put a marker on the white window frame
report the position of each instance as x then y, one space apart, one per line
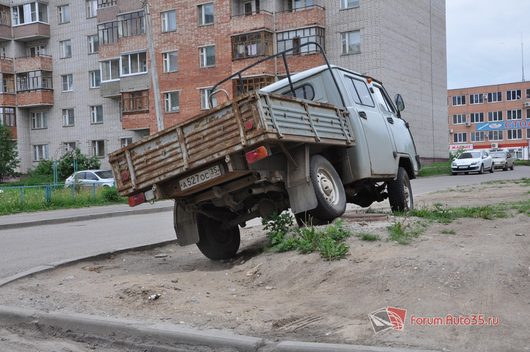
33 12
460 137
167 60
459 119
513 94
169 101
349 4
346 42
459 100
96 114
94 79
63 14
204 93
96 146
494 97
93 43
66 48
91 8
202 14
41 152
495 135
128 59
103 65
203 56
517 132
517 112
476 117
480 134
125 141
494 116
166 23
475 99
67 82
39 120
68 117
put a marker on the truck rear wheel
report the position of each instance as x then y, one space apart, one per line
215 241
329 190
400 192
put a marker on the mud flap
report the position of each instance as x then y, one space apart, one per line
302 195
185 224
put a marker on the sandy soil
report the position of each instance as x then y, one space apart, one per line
484 268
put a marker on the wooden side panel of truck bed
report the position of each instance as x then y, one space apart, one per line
238 125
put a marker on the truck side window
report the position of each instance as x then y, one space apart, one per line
362 94
305 91
381 99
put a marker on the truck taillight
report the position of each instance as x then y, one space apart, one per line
137 199
257 154
249 125
125 176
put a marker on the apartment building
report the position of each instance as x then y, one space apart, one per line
80 74
491 117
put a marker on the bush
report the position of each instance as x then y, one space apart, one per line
45 167
110 194
66 163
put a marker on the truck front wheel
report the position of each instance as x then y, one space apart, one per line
215 241
400 192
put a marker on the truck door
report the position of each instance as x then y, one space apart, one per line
378 139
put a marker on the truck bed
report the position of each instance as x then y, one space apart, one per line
248 121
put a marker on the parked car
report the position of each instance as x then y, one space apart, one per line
88 178
473 161
503 160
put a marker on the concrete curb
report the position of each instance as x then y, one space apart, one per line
51 266
62 220
165 337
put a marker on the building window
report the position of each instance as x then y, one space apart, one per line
63 13
91 8
460 138
98 148
294 5
351 42
106 3
348 4
495 116
207 56
133 64
36 50
514 114
93 44
293 39
476 98
170 61
40 152
495 135
137 101
96 114
68 117
459 100
131 24
251 45
528 93
7 83
8 117
67 82
494 97
169 21
478 136
30 13
459 119
513 94
250 84
110 70
94 78
125 141
69 146
108 32
205 14
515 134
66 48
39 120
172 101
34 80
205 103
477 117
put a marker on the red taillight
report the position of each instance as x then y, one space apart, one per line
137 199
249 125
257 154
125 176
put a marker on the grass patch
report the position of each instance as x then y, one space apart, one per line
436 168
448 232
403 233
284 237
370 237
522 162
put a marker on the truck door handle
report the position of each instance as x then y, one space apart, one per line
362 114
390 120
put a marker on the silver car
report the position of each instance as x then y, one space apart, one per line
89 178
503 160
472 161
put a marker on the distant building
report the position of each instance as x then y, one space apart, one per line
491 117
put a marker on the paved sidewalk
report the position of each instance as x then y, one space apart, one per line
80 214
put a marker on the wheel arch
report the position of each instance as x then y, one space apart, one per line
406 163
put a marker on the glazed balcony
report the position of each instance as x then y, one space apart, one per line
31 31
34 63
107 10
252 21
314 15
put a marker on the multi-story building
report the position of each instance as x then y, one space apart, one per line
491 117
81 73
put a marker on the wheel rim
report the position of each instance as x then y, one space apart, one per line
327 186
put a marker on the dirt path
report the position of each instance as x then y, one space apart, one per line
471 266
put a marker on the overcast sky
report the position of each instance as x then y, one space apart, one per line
484 41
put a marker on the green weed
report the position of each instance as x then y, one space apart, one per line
448 232
370 237
404 233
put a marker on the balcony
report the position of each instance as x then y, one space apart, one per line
6 65
31 31
252 21
110 89
107 10
33 98
34 63
302 17
8 99
5 32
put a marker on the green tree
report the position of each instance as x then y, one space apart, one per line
65 166
8 153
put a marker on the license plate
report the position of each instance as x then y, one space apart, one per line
200 177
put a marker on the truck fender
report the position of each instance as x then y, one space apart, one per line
302 195
185 224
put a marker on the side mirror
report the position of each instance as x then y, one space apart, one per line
400 104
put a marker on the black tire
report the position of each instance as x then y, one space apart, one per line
512 167
492 169
505 168
453 173
216 242
400 192
481 171
329 190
